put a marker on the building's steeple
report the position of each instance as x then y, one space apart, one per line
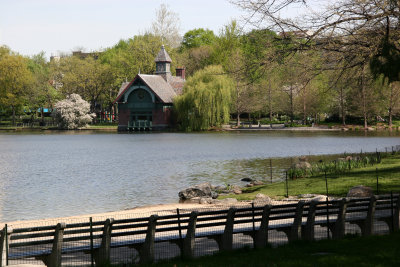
163 63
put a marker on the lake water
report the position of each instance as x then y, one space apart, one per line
70 173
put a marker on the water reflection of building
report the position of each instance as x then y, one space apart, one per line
146 101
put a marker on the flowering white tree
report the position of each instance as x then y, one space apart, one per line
73 112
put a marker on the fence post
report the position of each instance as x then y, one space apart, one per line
6 240
377 182
391 209
4 243
91 242
327 207
287 186
179 229
252 212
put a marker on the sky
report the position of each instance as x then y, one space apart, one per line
31 26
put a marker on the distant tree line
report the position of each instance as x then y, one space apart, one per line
341 65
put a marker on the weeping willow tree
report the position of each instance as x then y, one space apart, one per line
206 100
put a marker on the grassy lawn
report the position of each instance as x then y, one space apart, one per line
338 185
103 126
351 251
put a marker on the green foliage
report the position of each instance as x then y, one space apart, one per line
338 166
88 77
42 93
197 38
15 81
386 61
205 101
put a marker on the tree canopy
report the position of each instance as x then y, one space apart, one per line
206 100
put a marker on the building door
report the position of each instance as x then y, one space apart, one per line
141 106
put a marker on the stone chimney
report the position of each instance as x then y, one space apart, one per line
180 72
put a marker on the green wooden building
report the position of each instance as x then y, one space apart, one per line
146 102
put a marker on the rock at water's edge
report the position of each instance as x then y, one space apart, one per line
200 190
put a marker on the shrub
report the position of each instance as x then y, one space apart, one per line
72 112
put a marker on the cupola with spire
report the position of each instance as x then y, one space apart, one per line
163 63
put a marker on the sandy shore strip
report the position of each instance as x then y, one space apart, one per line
133 212
137 212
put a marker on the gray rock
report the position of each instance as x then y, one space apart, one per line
190 200
200 190
302 165
237 191
262 198
319 198
214 195
360 191
256 182
205 200
234 187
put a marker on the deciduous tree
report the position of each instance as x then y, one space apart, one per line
73 112
15 81
206 100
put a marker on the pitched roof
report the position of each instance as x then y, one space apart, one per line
159 86
156 83
122 88
163 56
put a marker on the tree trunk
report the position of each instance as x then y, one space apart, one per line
364 99
391 106
291 105
270 101
238 119
304 106
42 115
342 111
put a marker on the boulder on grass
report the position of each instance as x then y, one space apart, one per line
360 191
304 165
200 190
262 198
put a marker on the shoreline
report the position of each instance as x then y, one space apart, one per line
228 128
136 212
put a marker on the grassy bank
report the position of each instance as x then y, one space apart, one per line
38 128
388 173
351 251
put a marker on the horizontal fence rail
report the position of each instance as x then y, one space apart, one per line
190 233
